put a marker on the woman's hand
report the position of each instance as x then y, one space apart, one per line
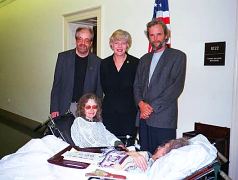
139 159
123 147
54 114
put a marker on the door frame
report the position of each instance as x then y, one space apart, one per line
76 17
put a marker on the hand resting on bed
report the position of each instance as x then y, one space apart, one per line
177 159
142 163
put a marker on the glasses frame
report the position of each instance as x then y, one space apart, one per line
87 107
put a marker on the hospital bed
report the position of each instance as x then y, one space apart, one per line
220 137
32 161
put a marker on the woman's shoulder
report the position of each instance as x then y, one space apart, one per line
107 62
80 120
132 58
107 59
99 123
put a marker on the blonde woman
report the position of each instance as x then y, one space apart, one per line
117 75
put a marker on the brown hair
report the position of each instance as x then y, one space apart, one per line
81 104
154 22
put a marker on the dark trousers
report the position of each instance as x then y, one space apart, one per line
152 137
121 125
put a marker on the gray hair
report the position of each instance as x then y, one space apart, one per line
84 28
176 143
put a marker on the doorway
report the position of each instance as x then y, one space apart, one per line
90 18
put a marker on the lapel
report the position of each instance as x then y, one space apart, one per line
159 66
147 62
71 69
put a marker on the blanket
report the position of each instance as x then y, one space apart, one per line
30 162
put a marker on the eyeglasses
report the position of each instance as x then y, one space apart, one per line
85 41
91 107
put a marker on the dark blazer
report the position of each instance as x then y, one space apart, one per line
166 85
118 86
62 89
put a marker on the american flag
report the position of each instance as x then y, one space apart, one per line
161 11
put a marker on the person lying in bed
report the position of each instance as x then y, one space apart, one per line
142 162
139 161
176 159
87 129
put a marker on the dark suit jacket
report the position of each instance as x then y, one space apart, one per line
166 85
62 89
118 86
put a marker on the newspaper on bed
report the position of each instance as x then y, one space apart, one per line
81 156
109 158
120 160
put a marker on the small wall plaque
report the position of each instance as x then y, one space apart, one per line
214 54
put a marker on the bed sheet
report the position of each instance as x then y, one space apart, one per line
30 162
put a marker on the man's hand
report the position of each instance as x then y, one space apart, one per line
54 114
145 110
139 159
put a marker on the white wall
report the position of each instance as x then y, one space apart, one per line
234 123
31 35
207 96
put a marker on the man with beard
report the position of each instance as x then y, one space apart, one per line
158 83
77 72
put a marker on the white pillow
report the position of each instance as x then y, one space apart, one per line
182 162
